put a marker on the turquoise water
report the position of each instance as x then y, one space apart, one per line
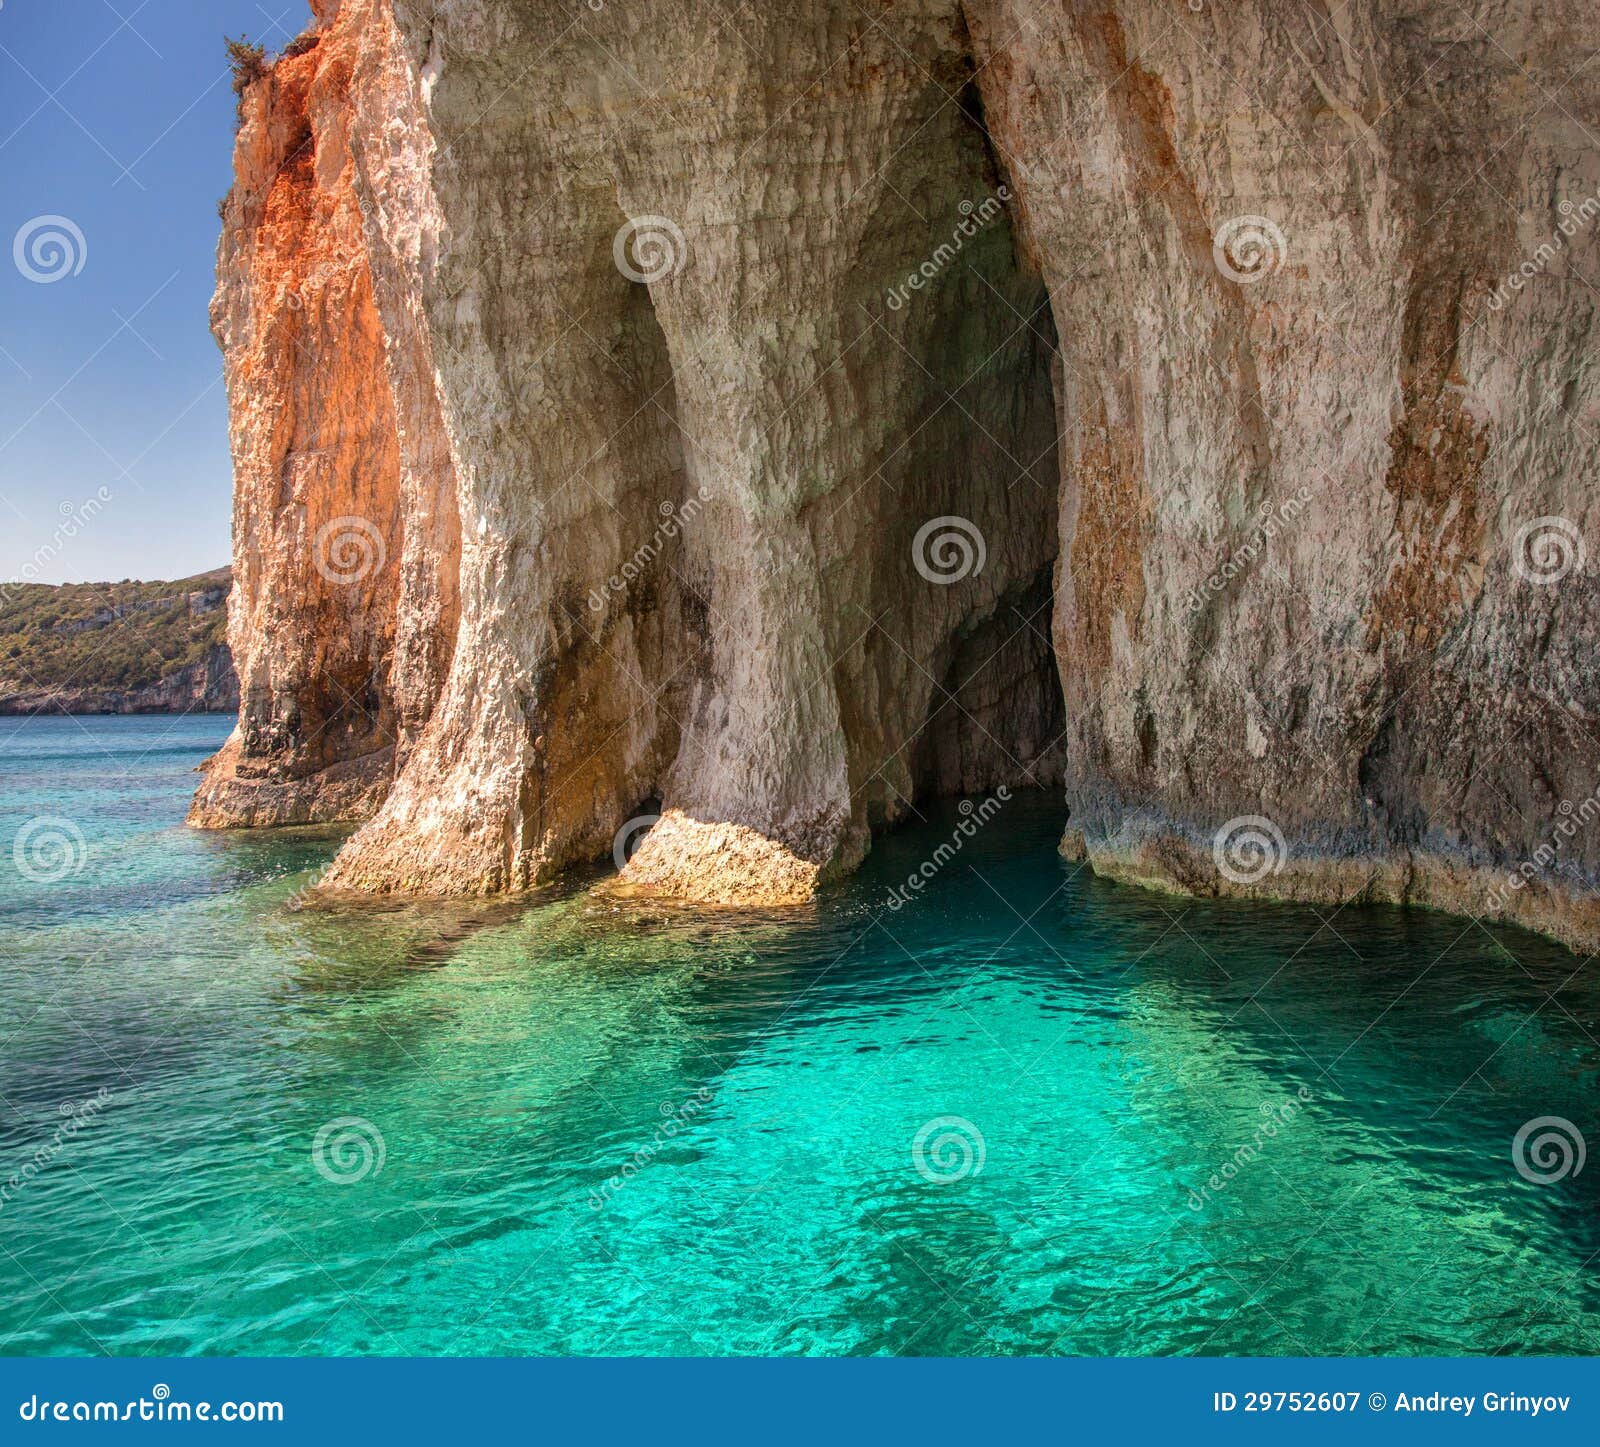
579 1126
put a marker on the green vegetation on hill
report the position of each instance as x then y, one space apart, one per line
108 635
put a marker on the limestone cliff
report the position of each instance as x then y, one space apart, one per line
345 536
764 416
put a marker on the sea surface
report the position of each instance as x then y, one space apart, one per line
1026 1112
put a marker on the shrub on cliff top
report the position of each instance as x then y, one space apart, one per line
249 61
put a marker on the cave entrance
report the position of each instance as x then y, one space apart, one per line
998 715
992 457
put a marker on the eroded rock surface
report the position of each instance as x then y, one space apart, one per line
1301 571
771 415
331 528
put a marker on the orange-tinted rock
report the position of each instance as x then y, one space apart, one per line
324 526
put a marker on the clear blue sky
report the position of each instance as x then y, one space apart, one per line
117 115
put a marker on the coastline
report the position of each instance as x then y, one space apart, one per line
1167 857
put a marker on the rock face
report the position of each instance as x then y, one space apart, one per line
762 418
345 536
205 686
1323 618
116 648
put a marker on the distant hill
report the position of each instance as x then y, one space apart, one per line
117 647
